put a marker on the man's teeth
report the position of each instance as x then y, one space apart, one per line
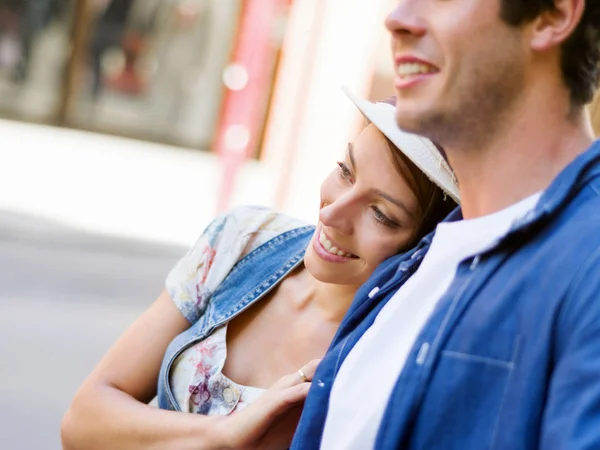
408 69
326 243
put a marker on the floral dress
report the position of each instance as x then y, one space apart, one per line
200 386
196 377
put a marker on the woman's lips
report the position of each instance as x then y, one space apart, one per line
328 251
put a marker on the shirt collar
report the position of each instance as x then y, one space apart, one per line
565 186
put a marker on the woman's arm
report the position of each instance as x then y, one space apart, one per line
110 410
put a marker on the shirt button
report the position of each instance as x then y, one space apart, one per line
422 355
228 395
374 291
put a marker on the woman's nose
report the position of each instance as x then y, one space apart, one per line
340 214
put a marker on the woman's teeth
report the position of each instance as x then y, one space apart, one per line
326 243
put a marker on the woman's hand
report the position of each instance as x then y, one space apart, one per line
269 423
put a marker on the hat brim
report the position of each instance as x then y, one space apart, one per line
420 150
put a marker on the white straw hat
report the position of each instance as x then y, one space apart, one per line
420 150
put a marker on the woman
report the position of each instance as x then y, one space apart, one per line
209 328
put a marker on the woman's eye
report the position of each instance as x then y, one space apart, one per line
383 219
343 170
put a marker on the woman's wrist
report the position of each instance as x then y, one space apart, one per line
215 433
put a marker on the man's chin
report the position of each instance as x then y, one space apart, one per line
409 120
422 121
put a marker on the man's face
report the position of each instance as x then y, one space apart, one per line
459 67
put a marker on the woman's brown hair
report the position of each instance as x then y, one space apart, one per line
434 204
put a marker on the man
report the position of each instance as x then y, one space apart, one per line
487 335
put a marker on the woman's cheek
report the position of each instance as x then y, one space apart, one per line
389 247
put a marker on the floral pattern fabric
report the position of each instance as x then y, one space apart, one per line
196 378
200 386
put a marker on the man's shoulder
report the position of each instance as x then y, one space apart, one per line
563 253
577 226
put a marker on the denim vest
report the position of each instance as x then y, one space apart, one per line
250 279
510 358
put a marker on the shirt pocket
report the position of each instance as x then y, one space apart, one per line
464 396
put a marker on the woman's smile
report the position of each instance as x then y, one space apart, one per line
329 250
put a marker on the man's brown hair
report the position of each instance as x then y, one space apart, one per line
580 53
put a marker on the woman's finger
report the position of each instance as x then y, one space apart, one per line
310 368
302 375
253 422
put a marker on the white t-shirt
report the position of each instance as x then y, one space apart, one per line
367 376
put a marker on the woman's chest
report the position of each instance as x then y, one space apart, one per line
272 340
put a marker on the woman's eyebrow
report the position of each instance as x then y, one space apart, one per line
379 192
396 202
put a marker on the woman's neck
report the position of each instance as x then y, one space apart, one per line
329 301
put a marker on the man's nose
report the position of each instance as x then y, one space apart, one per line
406 19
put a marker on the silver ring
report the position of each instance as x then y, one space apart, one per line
302 375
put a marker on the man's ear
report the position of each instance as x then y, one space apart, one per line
554 26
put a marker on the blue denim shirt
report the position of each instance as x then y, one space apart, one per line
250 279
510 358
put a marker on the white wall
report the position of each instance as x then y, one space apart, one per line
330 43
114 185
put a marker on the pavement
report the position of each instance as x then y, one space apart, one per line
66 296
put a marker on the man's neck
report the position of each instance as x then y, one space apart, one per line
536 143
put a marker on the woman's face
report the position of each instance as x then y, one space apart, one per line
367 214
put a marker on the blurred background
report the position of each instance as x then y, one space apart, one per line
125 126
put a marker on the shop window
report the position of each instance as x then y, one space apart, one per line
158 70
